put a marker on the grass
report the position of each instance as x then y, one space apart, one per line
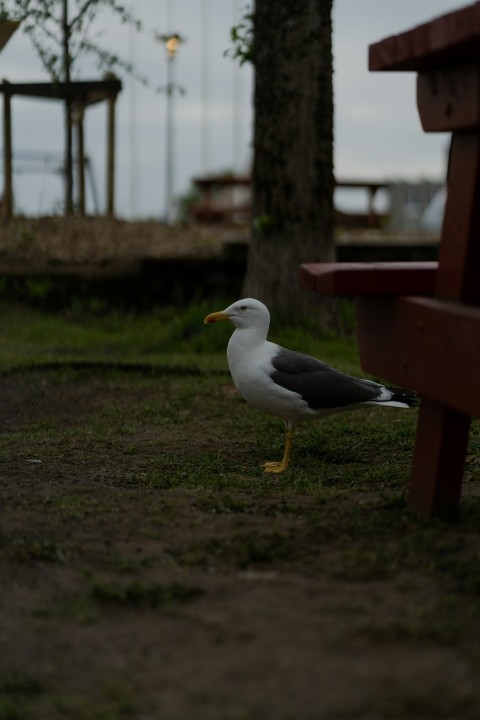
166 338
133 503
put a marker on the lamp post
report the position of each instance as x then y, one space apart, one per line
171 42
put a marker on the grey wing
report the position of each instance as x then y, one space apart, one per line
320 385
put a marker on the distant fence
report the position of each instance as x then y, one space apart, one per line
227 198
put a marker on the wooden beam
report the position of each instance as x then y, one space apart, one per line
431 44
7 28
86 91
79 116
448 99
429 345
111 156
389 278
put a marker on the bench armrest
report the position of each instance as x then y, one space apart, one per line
390 278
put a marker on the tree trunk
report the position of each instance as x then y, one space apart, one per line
292 220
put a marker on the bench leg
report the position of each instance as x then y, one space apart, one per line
438 461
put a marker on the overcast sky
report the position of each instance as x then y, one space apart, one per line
377 131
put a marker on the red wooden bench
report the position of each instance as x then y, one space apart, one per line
418 324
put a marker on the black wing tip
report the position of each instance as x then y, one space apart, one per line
409 397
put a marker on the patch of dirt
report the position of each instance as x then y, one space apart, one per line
57 243
115 601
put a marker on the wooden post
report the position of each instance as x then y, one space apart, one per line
7 28
79 115
7 157
111 156
438 460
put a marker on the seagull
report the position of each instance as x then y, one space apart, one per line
289 384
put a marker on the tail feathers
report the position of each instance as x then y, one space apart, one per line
406 397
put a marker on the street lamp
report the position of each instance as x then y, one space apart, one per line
171 41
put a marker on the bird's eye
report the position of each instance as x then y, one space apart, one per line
243 308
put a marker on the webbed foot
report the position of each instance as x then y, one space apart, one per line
275 466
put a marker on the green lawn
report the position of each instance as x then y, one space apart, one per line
151 569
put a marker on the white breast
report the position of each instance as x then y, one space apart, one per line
251 370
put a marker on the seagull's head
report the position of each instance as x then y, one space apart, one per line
244 313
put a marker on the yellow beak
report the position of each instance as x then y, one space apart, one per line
215 317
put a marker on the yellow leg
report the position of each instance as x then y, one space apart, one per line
279 467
